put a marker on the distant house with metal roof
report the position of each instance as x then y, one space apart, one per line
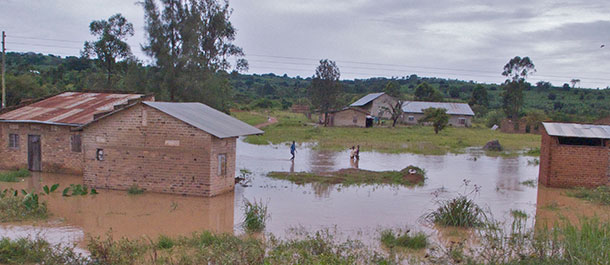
376 104
180 148
43 135
349 117
574 155
460 114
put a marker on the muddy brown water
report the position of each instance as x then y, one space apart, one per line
358 212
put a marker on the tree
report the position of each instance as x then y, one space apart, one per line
574 82
325 87
516 70
479 96
543 85
425 92
110 45
438 117
392 89
190 42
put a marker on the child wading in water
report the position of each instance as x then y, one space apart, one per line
293 149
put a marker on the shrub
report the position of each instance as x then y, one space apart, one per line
460 211
28 251
256 216
15 208
390 240
165 242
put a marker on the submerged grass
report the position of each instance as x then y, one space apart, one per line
390 239
38 251
18 208
600 195
403 139
349 177
255 216
530 183
460 211
14 176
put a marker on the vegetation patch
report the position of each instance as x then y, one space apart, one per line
390 239
255 216
530 183
460 211
14 176
20 206
135 190
250 117
600 195
410 176
402 139
38 251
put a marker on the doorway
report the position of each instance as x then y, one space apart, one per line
34 153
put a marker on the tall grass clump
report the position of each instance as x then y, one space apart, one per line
14 176
135 190
461 212
599 195
390 239
255 216
14 208
37 251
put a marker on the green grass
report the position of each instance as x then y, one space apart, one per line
348 177
255 216
19 208
600 195
250 117
14 176
460 212
38 251
518 214
411 139
390 239
135 190
530 183
552 206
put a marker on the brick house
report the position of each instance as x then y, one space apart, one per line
520 126
460 114
376 104
41 136
348 117
180 148
574 155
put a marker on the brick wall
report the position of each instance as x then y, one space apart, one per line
56 151
571 166
376 107
346 118
157 152
520 126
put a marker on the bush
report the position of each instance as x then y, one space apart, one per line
135 190
494 117
460 211
27 251
18 208
256 216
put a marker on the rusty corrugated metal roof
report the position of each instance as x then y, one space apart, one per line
68 108
577 130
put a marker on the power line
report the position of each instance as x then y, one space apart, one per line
46 45
34 38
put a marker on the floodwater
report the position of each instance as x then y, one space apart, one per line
357 212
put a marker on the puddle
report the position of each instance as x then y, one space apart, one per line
354 212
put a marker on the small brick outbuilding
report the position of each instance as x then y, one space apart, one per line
348 117
376 105
574 155
179 148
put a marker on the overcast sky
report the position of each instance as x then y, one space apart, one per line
468 40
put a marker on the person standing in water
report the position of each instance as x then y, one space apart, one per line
352 153
357 152
293 150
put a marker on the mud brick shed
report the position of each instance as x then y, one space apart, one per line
179 148
44 135
348 117
574 155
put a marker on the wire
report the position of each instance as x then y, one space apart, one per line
44 45
33 38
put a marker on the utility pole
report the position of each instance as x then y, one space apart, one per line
3 71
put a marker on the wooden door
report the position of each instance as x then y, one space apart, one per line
34 153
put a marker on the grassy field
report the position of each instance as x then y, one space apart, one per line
411 139
349 177
249 117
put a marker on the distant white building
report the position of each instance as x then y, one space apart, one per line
460 114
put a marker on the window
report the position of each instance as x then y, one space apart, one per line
99 155
580 141
222 164
75 143
355 120
411 118
13 141
462 121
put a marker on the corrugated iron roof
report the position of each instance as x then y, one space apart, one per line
452 108
366 99
68 108
577 130
206 118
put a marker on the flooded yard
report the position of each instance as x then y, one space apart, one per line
358 212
